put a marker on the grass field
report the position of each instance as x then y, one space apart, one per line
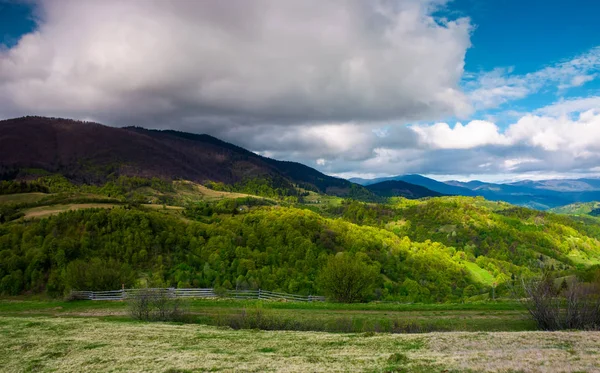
41 335
22 198
372 317
478 274
75 344
44 211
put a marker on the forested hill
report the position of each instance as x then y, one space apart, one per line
91 153
439 249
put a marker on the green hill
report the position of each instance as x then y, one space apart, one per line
577 208
436 249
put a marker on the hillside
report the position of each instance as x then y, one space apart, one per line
581 208
437 249
434 185
395 188
502 235
91 153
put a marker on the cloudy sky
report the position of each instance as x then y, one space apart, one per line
468 89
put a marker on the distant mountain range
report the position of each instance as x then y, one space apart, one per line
92 153
543 194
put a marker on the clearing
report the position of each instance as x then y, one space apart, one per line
22 198
44 211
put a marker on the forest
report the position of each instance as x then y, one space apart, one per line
442 249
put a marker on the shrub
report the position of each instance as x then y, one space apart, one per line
348 277
576 307
155 305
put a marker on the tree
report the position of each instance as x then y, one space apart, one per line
348 277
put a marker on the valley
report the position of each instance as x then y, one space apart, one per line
434 263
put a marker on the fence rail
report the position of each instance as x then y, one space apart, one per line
197 293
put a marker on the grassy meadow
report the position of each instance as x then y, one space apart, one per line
329 317
78 344
41 335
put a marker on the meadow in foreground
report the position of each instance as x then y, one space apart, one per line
43 344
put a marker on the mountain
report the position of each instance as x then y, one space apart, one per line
434 185
540 195
91 153
562 185
396 188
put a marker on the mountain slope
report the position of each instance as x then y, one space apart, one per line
396 188
90 152
434 185
562 185
529 193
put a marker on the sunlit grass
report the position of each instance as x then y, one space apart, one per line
88 344
479 274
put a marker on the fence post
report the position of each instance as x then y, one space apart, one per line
310 298
258 293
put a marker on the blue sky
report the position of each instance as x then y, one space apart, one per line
467 89
528 36
16 19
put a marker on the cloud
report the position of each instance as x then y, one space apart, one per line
213 63
567 107
475 133
545 143
330 84
491 89
578 80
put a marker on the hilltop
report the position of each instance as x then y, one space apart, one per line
92 153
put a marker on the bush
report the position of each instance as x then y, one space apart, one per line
575 307
348 277
155 305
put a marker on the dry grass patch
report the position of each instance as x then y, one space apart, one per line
76 345
44 211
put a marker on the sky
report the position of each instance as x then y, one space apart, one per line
494 90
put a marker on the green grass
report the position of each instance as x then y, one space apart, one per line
22 198
372 317
479 274
70 344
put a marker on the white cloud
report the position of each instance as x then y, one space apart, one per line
548 143
475 133
550 129
578 81
491 89
158 63
578 137
573 105
511 164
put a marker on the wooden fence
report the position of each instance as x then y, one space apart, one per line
196 293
